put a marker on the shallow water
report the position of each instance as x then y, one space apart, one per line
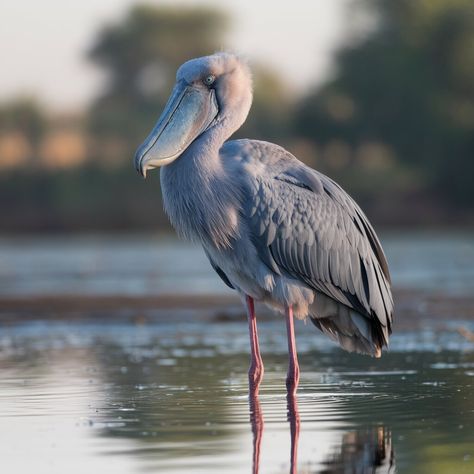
162 397
145 391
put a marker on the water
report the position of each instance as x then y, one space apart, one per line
141 265
168 393
125 398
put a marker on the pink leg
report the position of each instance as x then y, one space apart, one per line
293 376
256 365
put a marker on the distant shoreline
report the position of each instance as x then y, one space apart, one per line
412 308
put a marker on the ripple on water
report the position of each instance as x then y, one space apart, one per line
176 399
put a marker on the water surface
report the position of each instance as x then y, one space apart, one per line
127 398
142 392
147 264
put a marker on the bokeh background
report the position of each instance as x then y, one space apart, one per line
121 350
378 94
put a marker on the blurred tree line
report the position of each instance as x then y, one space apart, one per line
394 124
408 88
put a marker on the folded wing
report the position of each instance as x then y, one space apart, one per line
304 225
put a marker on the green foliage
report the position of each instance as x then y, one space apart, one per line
271 113
394 125
81 199
410 85
23 115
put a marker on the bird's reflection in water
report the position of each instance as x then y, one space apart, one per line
294 420
257 423
361 451
256 420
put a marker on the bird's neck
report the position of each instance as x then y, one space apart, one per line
198 195
206 147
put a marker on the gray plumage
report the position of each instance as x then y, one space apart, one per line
272 227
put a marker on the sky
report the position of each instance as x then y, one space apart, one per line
43 44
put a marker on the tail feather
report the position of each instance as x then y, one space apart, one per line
353 331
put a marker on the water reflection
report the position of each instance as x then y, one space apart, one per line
174 399
361 451
257 424
295 422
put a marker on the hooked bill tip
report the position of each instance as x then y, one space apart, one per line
143 171
139 164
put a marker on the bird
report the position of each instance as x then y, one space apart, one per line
273 229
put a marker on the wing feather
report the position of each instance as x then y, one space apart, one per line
315 232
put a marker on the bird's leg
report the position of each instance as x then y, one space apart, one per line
293 376
256 365
255 377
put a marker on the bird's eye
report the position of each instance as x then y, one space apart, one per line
209 80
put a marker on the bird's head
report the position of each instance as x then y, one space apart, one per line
212 91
